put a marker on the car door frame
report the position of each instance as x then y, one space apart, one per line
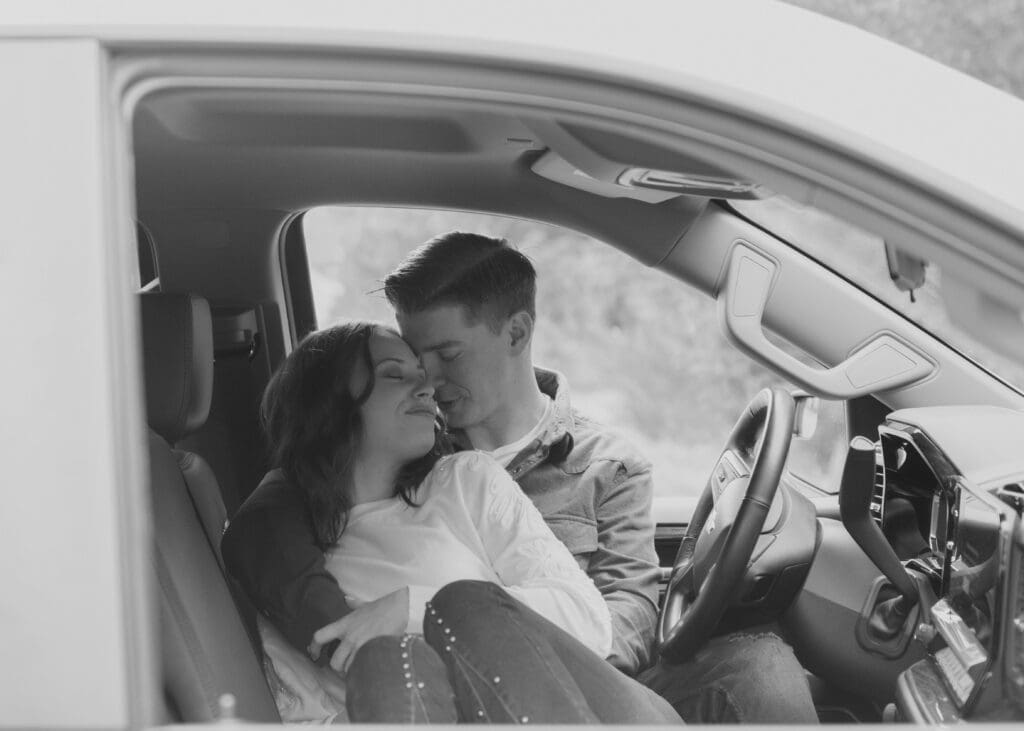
78 611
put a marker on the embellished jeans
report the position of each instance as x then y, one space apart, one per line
486 657
742 677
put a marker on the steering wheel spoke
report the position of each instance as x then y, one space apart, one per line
708 552
684 583
730 466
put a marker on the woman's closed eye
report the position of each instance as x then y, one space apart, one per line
393 373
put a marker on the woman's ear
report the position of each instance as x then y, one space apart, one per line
520 332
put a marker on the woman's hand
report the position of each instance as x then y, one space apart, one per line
388 615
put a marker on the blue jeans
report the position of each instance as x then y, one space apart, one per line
494 661
736 678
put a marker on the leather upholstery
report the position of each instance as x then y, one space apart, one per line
204 489
205 494
177 344
206 651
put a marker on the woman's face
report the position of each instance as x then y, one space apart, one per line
398 417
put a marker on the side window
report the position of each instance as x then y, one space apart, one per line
816 460
642 351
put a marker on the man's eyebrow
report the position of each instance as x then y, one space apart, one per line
441 346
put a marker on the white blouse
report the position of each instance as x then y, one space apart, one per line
471 522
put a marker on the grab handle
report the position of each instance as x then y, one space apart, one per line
882 363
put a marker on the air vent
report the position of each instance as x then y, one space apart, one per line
878 491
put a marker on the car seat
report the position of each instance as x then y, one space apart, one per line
206 650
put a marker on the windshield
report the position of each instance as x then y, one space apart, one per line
861 257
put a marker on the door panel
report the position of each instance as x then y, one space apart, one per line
70 437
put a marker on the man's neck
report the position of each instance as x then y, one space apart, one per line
515 418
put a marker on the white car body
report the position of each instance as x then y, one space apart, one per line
823 113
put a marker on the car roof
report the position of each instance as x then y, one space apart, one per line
811 75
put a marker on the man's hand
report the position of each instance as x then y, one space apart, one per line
388 615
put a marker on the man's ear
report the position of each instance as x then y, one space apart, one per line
520 331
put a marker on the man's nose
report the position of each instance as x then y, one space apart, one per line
435 374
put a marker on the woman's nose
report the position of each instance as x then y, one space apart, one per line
424 387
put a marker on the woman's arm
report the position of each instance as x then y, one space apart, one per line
533 565
269 549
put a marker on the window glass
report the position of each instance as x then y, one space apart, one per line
817 460
642 352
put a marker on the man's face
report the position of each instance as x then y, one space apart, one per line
467 363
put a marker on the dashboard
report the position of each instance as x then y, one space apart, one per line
948 492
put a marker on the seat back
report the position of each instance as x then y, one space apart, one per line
206 651
247 348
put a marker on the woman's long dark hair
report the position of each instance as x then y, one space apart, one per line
314 427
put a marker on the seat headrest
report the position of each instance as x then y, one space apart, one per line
177 344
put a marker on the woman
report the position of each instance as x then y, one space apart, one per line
466 605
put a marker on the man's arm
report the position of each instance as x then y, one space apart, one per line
625 565
269 549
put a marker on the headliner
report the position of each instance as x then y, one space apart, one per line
808 73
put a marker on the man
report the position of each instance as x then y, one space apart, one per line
465 303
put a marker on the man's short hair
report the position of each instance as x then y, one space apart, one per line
483 274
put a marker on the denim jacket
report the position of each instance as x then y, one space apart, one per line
595 492
592 488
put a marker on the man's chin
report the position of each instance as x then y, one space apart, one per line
454 417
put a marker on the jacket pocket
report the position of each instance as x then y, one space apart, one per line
579 536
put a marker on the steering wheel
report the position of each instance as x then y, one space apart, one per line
726 524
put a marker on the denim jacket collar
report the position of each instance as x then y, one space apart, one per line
556 442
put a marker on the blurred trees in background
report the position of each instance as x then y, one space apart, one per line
642 353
